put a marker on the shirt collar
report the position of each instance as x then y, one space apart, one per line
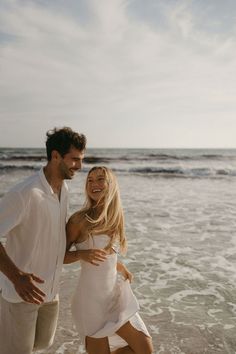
45 182
48 187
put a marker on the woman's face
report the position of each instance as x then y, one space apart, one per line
96 184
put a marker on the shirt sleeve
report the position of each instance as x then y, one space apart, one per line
11 211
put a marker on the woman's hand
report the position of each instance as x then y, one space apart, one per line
124 271
93 256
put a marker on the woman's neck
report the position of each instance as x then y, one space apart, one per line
95 212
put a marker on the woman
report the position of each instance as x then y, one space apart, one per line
104 307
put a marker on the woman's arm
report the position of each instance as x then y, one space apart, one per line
121 268
93 256
72 234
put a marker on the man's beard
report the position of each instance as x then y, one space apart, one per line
65 172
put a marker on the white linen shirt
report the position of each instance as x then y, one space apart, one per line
33 220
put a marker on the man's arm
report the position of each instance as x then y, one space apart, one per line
23 282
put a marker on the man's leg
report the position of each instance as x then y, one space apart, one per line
46 324
17 327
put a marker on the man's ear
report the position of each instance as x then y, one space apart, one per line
55 155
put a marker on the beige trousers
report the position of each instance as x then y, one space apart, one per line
25 327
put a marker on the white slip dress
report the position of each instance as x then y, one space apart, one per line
103 301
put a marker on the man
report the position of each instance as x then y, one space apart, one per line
32 217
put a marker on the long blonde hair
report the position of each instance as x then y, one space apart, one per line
111 218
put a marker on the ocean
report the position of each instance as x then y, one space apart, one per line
180 212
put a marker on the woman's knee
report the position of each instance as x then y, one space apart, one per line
149 347
145 348
137 340
97 345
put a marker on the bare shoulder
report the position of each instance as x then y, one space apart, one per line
77 227
77 217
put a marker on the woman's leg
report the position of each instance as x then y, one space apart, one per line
97 345
137 340
124 350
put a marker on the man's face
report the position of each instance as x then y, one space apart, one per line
70 163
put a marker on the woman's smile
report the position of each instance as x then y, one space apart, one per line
96 184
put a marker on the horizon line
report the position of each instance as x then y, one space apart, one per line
129 148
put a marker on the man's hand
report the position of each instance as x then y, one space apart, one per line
23 282
93 256
27 290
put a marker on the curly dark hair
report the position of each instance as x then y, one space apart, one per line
62 139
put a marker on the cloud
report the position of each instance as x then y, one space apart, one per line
116 66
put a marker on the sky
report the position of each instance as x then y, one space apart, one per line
126 73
